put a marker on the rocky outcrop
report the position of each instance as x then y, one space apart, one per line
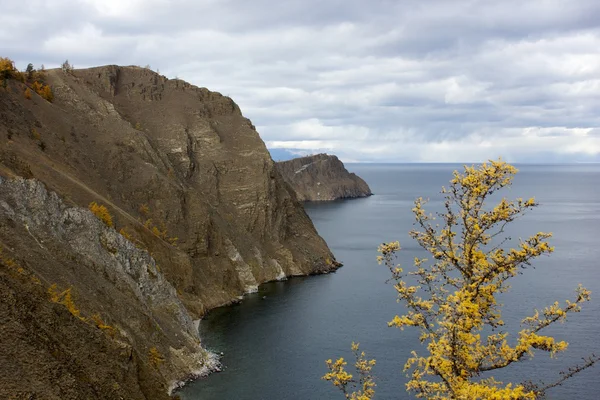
122 315
322 177
185 177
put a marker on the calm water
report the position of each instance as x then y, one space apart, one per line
275 342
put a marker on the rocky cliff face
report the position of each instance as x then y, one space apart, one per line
185 177
122 319
322 177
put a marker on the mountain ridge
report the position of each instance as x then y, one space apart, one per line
185 178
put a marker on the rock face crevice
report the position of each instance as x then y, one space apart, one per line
184 175
322 177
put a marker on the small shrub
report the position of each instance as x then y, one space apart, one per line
161 232
7 69
144 209
97 319
158 233
138 126
155 357
37 87
45 91
47 94
123 232
102 213
65 298
27 94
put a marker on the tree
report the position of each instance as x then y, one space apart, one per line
30 70
47 93
452 298
101 212
66 67
7 68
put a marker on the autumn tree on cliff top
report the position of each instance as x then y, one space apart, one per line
452 297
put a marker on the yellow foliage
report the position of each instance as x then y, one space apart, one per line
64 298
9 262
155 357
27 94
144 209
8 70
157 232
452 298
125 234
361 389
47 93
160 233
97 319
43 90
101 212
37 87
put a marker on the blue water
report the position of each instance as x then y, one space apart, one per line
275 342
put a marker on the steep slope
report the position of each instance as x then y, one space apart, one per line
185 177
84 312
194 167
322 177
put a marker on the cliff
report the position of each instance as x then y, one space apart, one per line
103 335
200 216
322 177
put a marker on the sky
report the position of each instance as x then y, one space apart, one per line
367 80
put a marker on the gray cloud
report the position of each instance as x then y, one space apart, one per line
377 80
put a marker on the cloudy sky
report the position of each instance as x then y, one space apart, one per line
369 80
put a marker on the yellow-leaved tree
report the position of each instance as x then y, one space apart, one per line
452 298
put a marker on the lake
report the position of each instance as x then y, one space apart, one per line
275 341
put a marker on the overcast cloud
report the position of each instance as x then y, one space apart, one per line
368 80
